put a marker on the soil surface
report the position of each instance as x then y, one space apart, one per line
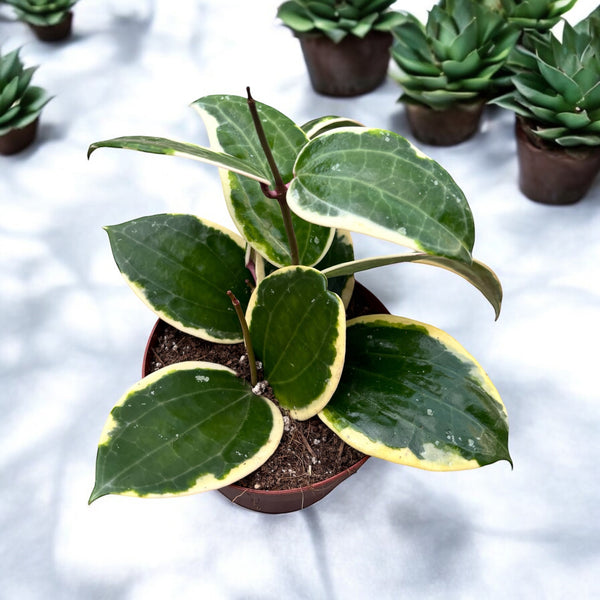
309 451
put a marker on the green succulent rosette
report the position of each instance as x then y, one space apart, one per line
41 12
557 84
20 102
336 19
455 57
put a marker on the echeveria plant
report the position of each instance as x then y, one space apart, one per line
540 15
20 102
338 18
42 12
557 84
455 57
387 385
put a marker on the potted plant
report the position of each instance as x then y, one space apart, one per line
345 43
540 15
388 386
448 68
50 20
20 104
556 100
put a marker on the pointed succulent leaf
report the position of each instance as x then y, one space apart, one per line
157 145
8 94
181 267
298 330
185 429
375 182
466 67
477 273
412 395
560 81
294 17
574 120
571 140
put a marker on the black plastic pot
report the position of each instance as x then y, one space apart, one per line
444 127
351 67
18 139
54 33
284 501
552 174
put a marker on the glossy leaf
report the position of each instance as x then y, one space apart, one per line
477 273
412 395
375 182
297 329
231 130
258 218
156 145
187 428
181 267
340 252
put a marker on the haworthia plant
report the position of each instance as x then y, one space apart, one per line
20 102
295 194
42 12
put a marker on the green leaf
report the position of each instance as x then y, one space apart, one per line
231 130
297 329
181 267
259 220
375 182
156 145
185 429
477 274
412 395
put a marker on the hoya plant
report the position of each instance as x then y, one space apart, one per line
42 12
387 385
338 18
556 84
455 57
20 102
540 15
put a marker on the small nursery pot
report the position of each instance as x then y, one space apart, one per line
18 139
444 127
553 174
284 501
351 67
54 33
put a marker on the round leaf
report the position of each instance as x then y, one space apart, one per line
297 329
375 182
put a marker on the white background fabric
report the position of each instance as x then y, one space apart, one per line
73 336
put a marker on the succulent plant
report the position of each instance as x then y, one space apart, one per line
41 12
454 57
540 15
557 83
20 102
338 18
389 386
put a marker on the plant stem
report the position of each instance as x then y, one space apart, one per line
246 334
280 191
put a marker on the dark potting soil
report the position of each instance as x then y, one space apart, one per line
309 451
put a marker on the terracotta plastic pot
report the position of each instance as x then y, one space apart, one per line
18 139
54 33
444 127
284 501
553 175
351 67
